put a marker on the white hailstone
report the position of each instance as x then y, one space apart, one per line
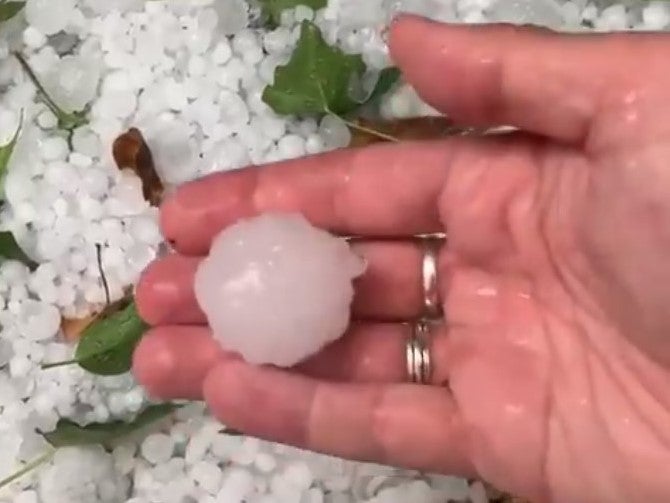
305 13
73 82
298 474
54 148
145 230
86 141
265 462
18 186
124 458
224 446
80 160
222 52
272 127
49 16
234 111
612 18
291 146
6 352
157 448
277 41
656 15
33 38
104 6
314 144
81 475
232 16
247 451
237 484
28 496
169 140
40 321
335 132
275 289
207 476
197 66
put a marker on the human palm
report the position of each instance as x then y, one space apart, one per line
552 371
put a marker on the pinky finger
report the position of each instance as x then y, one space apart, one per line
416 427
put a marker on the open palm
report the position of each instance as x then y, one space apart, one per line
552 371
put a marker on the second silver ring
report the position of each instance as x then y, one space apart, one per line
431 289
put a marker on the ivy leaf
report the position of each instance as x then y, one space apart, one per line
70 434
10 250
106 347
317 78
9 9
272 9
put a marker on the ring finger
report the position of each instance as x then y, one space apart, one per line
369 352
391 289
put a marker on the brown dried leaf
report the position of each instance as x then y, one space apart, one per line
131 151
416 128
73 327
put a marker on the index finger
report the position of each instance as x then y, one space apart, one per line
385 190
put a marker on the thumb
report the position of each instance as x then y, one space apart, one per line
536 80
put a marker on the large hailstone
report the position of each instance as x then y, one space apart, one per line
275 289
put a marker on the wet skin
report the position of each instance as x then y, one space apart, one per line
552 376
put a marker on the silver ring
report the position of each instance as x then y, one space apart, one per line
419 367
431 288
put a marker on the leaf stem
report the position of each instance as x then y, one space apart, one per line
370 131
68 121
65 363
98 252
28 467
40 88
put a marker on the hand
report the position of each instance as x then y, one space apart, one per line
552 376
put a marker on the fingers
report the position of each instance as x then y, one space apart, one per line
387 190
171 362
416 427
389 290
533 79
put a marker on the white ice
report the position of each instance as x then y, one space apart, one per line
275 289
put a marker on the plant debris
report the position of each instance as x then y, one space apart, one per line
131 151
70 434
416 128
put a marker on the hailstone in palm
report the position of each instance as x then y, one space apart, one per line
276 289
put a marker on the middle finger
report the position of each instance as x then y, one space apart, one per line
389 290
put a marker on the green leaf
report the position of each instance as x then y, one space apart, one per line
10 250
388 78
7 150
272 9
70 434
9 9
106 347
316 80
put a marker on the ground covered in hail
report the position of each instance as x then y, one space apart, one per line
191 78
